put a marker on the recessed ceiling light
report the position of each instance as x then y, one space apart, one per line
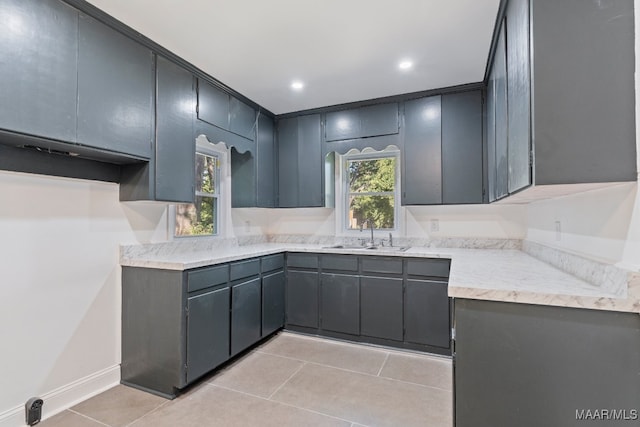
297 85
405 65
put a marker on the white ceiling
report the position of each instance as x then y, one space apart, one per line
343 50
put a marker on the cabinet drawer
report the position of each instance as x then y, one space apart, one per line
302 260
207 277
428 267
381 265
273 262
340 262
239 270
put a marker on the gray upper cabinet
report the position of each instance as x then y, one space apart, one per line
175 142
518 95
422 155
242 118
501 118
300 162
462 148
170 173
38 68
116 82
220 109
362 122
266 164
213 105
583 72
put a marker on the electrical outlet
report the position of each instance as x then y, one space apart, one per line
558 231
435 225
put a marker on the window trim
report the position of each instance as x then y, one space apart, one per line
206 149
346 193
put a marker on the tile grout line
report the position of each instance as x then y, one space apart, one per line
383 363
88 417
287 380
283 403
149 413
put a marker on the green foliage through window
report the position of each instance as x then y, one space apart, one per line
200 218
371 188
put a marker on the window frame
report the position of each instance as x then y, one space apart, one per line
206 149
346 193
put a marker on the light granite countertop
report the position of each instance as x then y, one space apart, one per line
487 274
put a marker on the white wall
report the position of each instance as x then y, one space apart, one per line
60 288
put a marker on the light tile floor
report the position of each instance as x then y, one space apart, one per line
291 380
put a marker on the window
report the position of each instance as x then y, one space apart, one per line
371 191
201 218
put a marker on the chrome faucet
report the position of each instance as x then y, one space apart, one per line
370 224
390 240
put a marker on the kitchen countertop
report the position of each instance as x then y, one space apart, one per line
487 274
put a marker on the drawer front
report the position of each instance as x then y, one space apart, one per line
340 262
302 260
428 267
207 277
381 265
272 262
242 269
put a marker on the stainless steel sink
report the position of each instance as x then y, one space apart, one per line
370 248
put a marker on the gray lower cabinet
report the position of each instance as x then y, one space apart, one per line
381 307
207 332
116 81
245 314
531 365
273 302
302 298
179 325
340 303
426 313
39 68
387 300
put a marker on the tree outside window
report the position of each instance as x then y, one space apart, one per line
371 192
201 218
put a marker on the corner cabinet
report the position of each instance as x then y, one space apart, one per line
195 320
300 162
559 109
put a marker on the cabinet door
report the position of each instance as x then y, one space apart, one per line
342 125
266 161
245 315
272 302
462 148
242 118
381 307
501 119
116 81
213 105
422 157
302 298
175 143
310 162
288 163
490 110
243 179
518 94
39 68
340 302
207 332
379 120
426 313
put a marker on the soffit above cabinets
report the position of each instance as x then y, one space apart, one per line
343 51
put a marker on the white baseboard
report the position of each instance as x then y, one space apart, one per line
65 397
